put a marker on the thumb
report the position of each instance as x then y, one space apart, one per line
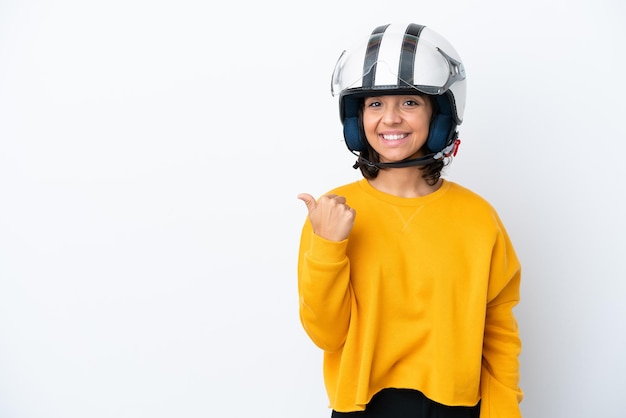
308 200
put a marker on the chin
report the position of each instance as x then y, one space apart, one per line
395 159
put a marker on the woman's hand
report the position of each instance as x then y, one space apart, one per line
331 217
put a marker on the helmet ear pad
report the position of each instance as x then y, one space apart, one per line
353 135
441 126
352 131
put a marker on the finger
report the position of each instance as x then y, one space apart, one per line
333 197
340 199
328 196
308 200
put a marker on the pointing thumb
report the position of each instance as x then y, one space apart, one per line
308 200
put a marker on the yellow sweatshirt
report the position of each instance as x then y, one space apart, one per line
420 296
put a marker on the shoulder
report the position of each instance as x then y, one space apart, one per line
346 189
457 191
466 202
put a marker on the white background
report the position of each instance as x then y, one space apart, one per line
150 157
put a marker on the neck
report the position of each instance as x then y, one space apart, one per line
404 182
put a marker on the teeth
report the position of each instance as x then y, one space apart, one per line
393 137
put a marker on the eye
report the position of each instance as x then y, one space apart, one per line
413 102
372 103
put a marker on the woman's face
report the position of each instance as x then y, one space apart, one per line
396 126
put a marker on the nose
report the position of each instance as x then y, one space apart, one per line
391 115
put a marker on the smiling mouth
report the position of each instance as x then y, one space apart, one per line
394 137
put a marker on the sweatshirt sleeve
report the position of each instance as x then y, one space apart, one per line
324 289
500 391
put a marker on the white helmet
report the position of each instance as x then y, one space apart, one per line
400 59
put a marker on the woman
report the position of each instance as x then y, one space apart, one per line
407 281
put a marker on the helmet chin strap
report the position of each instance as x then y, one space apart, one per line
397 164
447 152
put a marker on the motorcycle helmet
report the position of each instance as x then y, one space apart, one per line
400 59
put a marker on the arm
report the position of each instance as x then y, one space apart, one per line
324 290
500 392
324 270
